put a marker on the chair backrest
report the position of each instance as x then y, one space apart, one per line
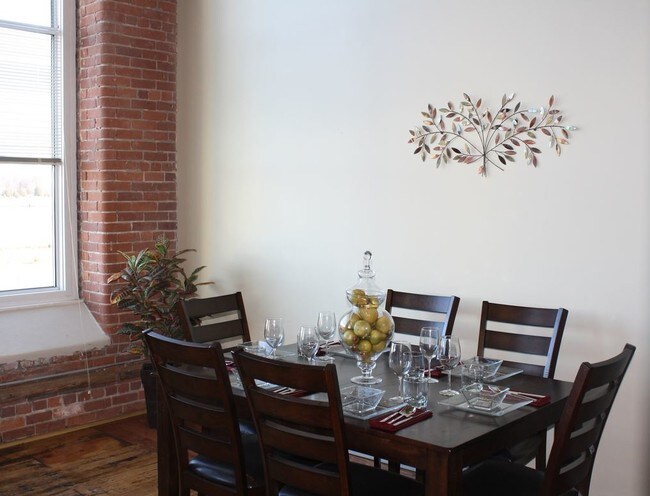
536 332
579 431
198 396
296 433
427 306
217 318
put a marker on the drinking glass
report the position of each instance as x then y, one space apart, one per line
274 333
308 341
399 361
429 343
449 357
327 327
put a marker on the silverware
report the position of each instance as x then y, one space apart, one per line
404 419
404 414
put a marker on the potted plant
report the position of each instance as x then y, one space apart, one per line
152 282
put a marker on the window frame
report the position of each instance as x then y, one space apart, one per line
65 182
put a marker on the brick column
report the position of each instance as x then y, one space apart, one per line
127 137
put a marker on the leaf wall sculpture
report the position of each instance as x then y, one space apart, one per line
473 133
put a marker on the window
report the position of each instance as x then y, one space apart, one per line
37 152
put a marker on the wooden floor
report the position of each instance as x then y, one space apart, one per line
116 459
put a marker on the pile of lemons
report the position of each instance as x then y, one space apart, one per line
368 330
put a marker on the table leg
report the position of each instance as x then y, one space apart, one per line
443 477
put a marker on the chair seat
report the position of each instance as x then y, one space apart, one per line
224 474
508 478
369 481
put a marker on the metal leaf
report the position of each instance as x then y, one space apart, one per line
478 103
558 150
551 101
501 159
535 150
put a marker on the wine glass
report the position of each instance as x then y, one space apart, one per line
308 341
399 361
429 342
449 357
274 333
327 327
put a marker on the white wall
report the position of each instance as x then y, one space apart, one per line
292 160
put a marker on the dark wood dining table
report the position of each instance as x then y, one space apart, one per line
440 446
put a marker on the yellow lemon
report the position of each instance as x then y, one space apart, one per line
362 328
349 338
383 324
379 346
364 346
376 337
369 314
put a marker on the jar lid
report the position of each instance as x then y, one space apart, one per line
366 286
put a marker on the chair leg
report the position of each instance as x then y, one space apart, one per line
393 467
377 462
540 459
419 475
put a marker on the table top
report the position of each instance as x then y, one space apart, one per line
448 428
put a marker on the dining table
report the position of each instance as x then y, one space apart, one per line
439 446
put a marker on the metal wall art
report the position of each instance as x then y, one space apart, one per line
472 133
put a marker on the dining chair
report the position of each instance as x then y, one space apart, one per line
411 312
215 457
303 438
577 437
217 318
527 338
536 336
421 310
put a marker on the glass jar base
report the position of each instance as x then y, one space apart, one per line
365 380
449 392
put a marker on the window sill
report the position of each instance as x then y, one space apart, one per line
47 331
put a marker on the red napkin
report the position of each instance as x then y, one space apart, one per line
295 392
538 400
378 423
435 372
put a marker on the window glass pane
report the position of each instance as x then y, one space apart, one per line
26 104
36 12
27 220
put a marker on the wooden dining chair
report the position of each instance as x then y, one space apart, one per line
303 438
423 311
577 437
217 318
214 457
411 312
528 338
538 333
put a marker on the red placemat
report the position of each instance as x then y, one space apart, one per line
378 423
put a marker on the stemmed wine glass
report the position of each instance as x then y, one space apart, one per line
326 326
308 341
399 361
274 333
429 342
449 357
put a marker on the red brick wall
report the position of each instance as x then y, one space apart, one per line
127 198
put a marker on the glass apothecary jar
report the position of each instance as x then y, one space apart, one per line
366 329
